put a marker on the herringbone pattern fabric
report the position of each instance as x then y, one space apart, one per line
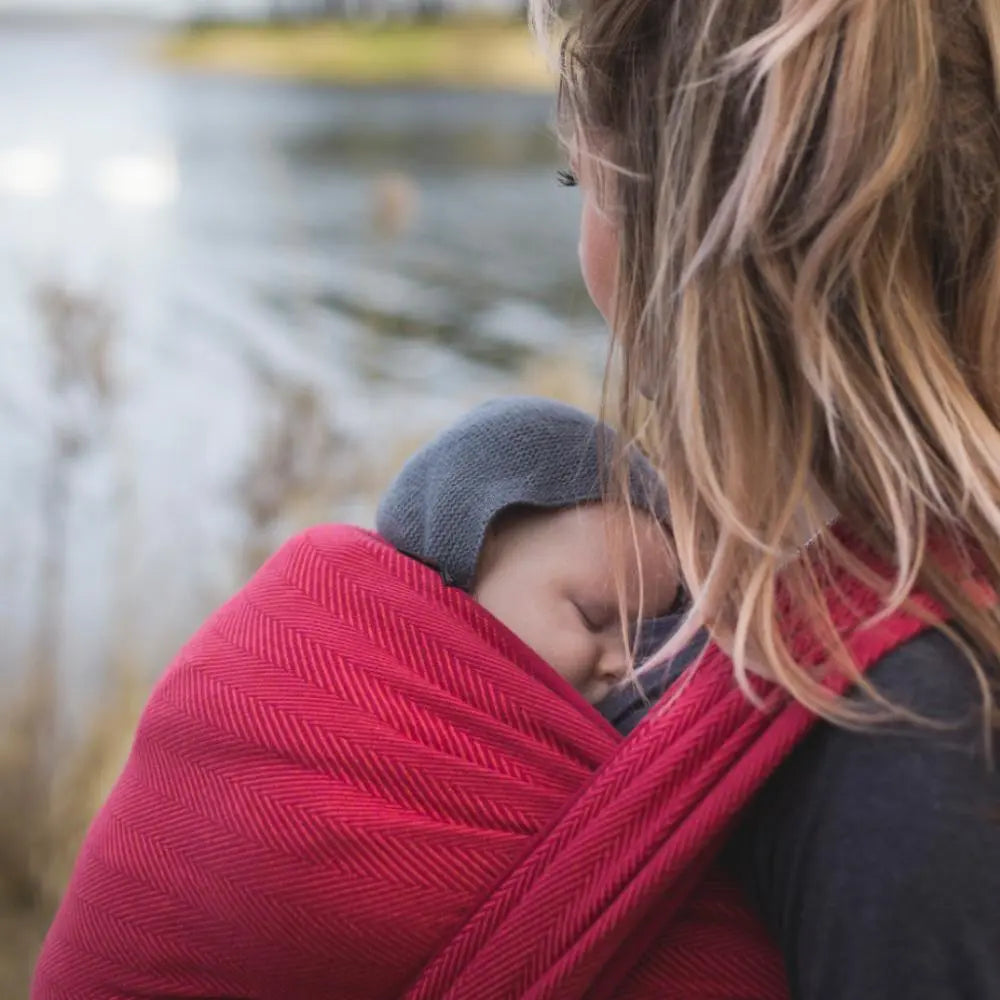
354 784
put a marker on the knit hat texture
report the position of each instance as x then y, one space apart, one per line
515 451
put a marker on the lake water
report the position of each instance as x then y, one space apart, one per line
219 235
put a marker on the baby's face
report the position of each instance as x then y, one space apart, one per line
549 577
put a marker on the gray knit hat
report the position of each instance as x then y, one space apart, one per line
509 452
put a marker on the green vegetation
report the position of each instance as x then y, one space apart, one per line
465 54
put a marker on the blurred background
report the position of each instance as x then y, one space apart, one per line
254 252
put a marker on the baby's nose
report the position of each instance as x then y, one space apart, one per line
613 664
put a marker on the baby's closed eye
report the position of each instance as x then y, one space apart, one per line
597 616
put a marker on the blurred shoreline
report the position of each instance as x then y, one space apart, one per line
231 308
463 54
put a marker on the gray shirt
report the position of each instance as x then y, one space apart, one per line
874 857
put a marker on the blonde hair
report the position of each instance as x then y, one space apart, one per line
808 294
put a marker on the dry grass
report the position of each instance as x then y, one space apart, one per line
463 54
565 378
54 771
304 472
51 782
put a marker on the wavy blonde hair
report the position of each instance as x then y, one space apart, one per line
808 302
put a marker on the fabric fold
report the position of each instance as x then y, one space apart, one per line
353 783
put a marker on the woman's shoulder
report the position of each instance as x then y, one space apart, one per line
874 856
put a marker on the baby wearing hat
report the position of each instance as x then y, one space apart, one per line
508 504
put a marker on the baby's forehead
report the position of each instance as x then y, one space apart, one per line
596 539
590 526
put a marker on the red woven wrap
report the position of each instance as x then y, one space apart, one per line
354 784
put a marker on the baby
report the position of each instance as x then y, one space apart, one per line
507 504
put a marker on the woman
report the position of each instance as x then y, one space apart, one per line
791 219
792 222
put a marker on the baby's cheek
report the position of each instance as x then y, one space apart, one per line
573 655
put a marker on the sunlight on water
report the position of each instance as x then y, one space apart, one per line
30 172
139 181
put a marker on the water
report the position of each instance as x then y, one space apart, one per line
227 226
